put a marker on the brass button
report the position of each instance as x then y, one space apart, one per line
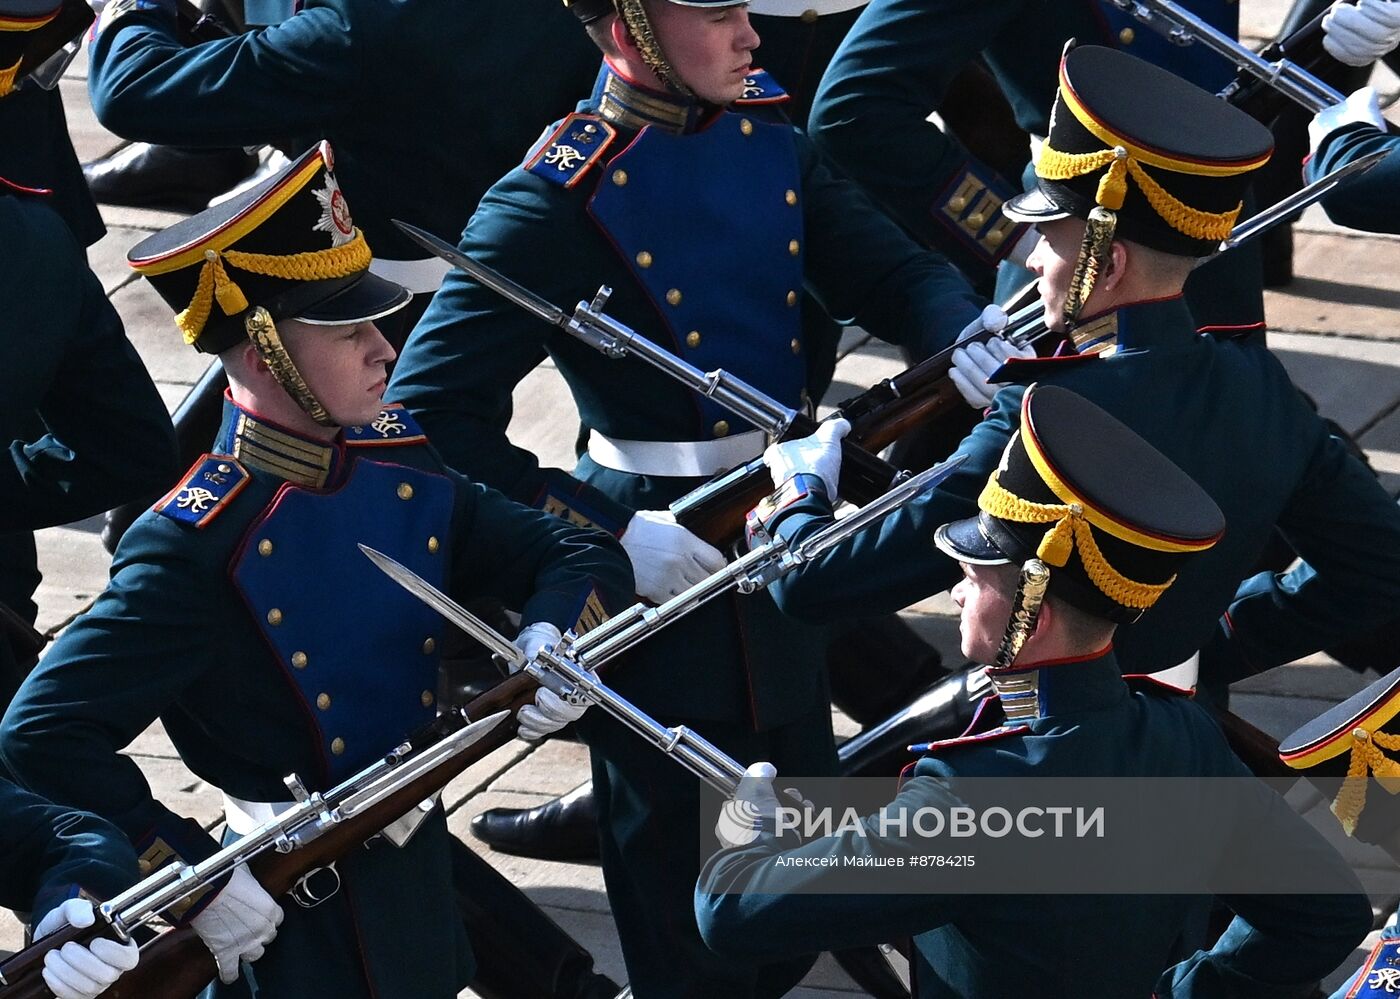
405 491
721 428
433 546
274 617
790 197
144 866
1360 734
427 698
792 298
995 237
809 16
429 646
299 660
746 126
976 219
1126 36
796 345
692 339
323 701
264 547
957 204
644 259
794 247
338 746
619 178
226 468
674 296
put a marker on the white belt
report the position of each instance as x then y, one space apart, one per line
1182 675
675 459
422 277
796 8
242 817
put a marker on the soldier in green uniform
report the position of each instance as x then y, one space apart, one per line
1067 544
680 185
871 116
242 614
84 426
56 861
1221 408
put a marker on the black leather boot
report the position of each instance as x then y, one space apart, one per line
521 953
563 829
907 665
942 711
145 175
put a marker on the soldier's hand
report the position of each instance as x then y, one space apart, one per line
75 971
1359 34
819 455
238 924
666 558
534 638
975 363
547 715
753 808
1362 107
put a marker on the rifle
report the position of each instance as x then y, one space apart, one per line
296 851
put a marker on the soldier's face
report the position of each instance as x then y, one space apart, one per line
346 367
710 48
984 598
1053 261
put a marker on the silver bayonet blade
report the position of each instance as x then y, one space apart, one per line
1300 199
488 276
488 636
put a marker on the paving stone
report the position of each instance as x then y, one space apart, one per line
1276 715
74 566
153 219
90 139
150 326
1316 677
483 772
552 769
181 791
107 257
1355 382
1342 283
546 420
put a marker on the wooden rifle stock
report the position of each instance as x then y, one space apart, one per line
177 965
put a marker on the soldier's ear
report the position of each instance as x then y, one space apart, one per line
1115 267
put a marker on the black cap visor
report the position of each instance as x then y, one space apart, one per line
966 541
1036 205
369 298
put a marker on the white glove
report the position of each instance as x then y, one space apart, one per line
666 558
1360 107
819 455
975 363
238 924
1019 255
535 637
550 712
741 818
77 972
1359 34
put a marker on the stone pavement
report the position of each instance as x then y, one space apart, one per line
1336 330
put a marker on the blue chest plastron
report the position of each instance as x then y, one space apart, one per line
1195 63
710 225
359 650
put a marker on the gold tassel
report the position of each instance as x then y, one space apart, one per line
1366 759
1058 542
1113 186
229 296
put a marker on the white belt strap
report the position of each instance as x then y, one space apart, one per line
422 277
796 8
242 817
1182 675
675 459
